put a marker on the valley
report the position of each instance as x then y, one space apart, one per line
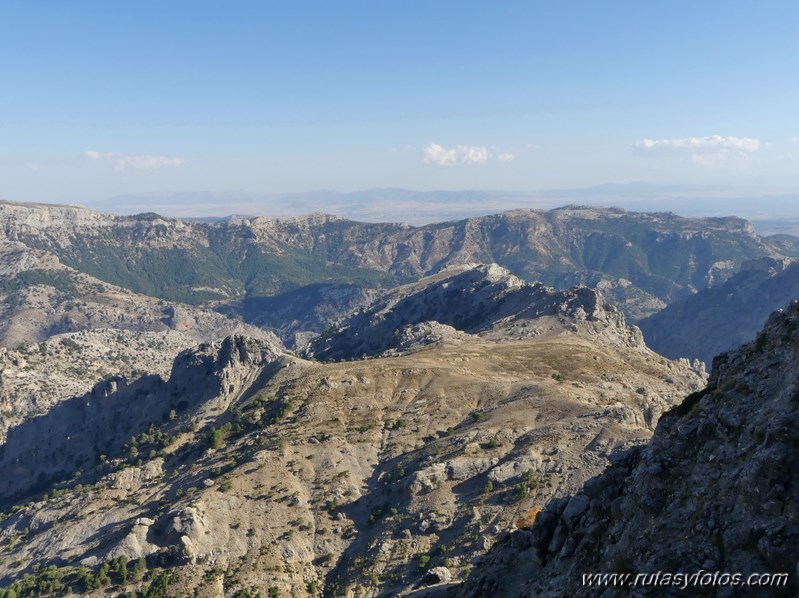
323 407
399 300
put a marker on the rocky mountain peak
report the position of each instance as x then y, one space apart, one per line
224 368
474 299
232 352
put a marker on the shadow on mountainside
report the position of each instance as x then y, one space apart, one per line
71 436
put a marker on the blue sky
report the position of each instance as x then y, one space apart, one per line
105 98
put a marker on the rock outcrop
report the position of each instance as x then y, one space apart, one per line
72 435
471 299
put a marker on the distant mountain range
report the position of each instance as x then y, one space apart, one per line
373 205
771 212
641 261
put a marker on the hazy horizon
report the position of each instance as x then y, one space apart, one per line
777 213
141 98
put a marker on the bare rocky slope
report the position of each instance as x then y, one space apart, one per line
641 261
723 317
41 297
714 490
61 331
475 299
252 470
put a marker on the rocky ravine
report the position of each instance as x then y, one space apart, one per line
714 490
253 469
723 317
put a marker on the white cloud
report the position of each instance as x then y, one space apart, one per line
795 139
93 155
695 145
711 151
147 162
438 155
124 162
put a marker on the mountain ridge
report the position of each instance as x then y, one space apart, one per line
644 260
469 299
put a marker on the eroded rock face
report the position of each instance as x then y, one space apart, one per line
714 490
73 434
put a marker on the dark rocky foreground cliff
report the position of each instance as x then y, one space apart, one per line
714 490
